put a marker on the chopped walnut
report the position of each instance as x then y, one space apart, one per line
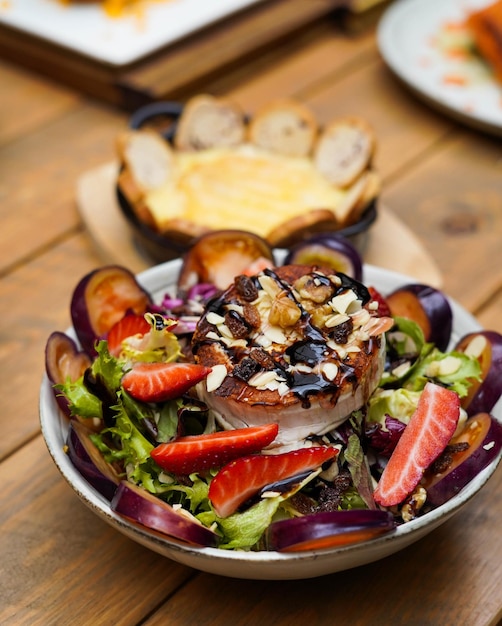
311 288
320 315
284 311
413 504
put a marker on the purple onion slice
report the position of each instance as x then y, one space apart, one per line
88 460
486 346
426 306
145 509
328 530
327 250
483 433
63 361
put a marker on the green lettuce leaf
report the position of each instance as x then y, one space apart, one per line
242 531
193 497
398 403
109 369
454 370
81 401
130 447
406 337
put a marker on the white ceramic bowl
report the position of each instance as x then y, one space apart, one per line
259 565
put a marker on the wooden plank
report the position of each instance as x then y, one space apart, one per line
53 62
225 45
453 202
39 174
61 564
324 58
35 301
489 313
29 102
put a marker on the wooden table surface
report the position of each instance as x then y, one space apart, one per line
59 563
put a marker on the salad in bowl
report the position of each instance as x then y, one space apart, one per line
266 413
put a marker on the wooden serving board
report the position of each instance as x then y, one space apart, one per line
176 68
390 244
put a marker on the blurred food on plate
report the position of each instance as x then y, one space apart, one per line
117 8
279 173
485 25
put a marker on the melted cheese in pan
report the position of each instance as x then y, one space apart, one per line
243 187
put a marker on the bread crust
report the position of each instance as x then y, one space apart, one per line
136 199
146 163
359 195
147 156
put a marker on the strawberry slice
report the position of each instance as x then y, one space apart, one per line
241 479
130 325
429 430
158 382
195 453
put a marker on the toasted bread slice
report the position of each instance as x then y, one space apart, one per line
358 197
147 156
147 163
344 150
136 199
284 127
209 122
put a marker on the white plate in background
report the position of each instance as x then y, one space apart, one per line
417 39
85 28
